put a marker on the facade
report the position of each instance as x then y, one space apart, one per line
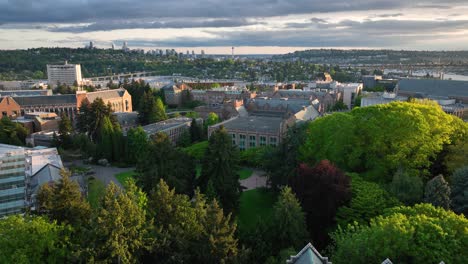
12 180
39 121
64 74
22 172
225 111
173 93
127 120
9 107
349 92
174 128
119 99
59 104
253 131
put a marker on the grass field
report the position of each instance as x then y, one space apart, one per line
96 190
255 204
245 173
123 176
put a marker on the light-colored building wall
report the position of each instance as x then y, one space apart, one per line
12 180
65 74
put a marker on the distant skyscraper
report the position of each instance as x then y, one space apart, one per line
113 46
125 46
202 52
232 52
91 45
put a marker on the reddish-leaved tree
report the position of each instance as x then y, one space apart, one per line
321 190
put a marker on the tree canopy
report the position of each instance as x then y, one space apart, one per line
459 194
377 140
219 176
419 234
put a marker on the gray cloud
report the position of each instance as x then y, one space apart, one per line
113 25
68 11
384 33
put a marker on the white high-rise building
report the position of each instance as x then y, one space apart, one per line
65 74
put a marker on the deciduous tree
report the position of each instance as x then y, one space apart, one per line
419 234
321 191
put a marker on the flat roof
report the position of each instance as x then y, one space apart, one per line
163 125
261 124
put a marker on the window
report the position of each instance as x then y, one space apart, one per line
233 139
242 142
262 141
273 141
4 113
252 141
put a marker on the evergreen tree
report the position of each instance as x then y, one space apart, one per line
408 189
437 192
218 236
460 191
63 202
163 161
105 142
120 229
195 131
289 227
220 165
12 133
190 231
137 144
65 130
151 110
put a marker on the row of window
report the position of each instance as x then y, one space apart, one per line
253 141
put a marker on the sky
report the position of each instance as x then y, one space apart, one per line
251 26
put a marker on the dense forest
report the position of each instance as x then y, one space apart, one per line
31 64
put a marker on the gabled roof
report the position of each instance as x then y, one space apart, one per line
105 94
308 255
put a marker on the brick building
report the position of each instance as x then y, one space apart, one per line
9 107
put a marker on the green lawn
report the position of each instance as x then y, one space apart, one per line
123 176
245 173
198 170
255 204
96 190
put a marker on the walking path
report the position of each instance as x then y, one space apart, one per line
256 180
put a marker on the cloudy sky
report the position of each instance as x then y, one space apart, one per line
252 26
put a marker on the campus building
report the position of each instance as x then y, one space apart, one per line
174 128
253 131
68 74
22 172
119 99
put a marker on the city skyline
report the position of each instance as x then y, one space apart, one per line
253 27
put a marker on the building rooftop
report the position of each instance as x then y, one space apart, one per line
46 100
4 148
25 93
105 94
261 124
163 125
434 87
295 105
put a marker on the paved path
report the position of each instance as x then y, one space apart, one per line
104 174
107 174
257 180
